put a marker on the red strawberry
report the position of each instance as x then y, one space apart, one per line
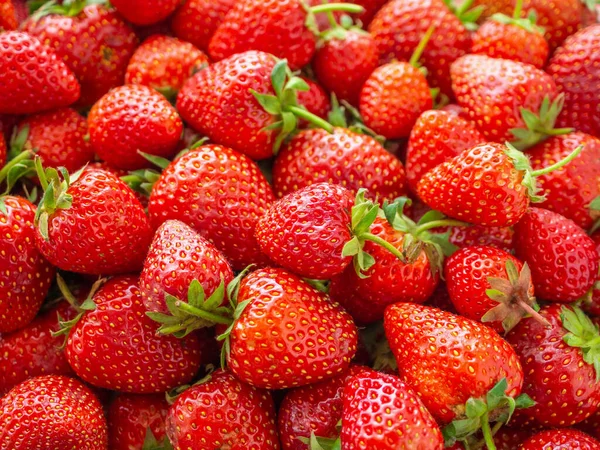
562 258
145 12
92 40
315 100
196 20
223 208
164 63
499 237
137 420
91 223
574 68
58 413
561 366
8 18
114 345
493 92
25 275
25 91
223 412
343 157
565 439
381 411
436 137
132 118
489 285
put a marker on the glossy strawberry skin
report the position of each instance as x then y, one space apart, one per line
177 256
492 91
557 378
436 137
570 189
25 275
66 415
145 12
58 138
116 346
283 309
129 417
223 412
23 91
565 439
447 358
271 26
96 44
381 411
188 190
574 68
106 243
343 157
562 258
499 237
393 98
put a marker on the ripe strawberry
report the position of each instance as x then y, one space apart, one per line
25 91
25 275
574 68
8 18
381 411
91 223
562 258
137 420
223 208
93 41
223 412
59 412
164 63
145 12
560 364
315 100
131 118
494 91
499 237
565 439
436 137
197 20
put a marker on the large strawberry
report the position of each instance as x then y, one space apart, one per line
562 258
561 366
565 439
59 412
223 412
91 223
145 12
25 91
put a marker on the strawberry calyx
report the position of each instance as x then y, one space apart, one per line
19 163
69 8
477 413
151 443
347 116
583 334
321 443
172 394
591 4
527 23
466 13
539 126
329 9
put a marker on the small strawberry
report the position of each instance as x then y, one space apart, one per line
59 412
561 366
132 118
25 91
565 439
222 412
562 258
145 12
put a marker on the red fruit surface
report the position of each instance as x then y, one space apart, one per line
145 12
566 439
499 237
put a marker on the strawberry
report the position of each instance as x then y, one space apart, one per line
565 439
561 366
343 157
137 420
381 411
489 185
315 100
164 63
499 237
93 41
490 285
25 275
436 137
8 18
114 345
562 258
130 118
25 91
195 21
494 91
145 12
59 412
187 190
223 412
574 68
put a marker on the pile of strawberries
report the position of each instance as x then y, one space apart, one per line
299 225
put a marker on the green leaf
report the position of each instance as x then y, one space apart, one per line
352 247
270 103
216 298
475 408
195 295
278 76
297 84
595 204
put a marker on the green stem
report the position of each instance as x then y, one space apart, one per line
13 162
383 243
559 164
310 117
331 19
414 59
346 7
186 307
41 173
439 224
518 9
487 432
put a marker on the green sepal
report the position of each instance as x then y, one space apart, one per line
321 443
527 23
69 8
158 161
591 5
319 285
142 180
151 443
465 12
583 334
522 164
